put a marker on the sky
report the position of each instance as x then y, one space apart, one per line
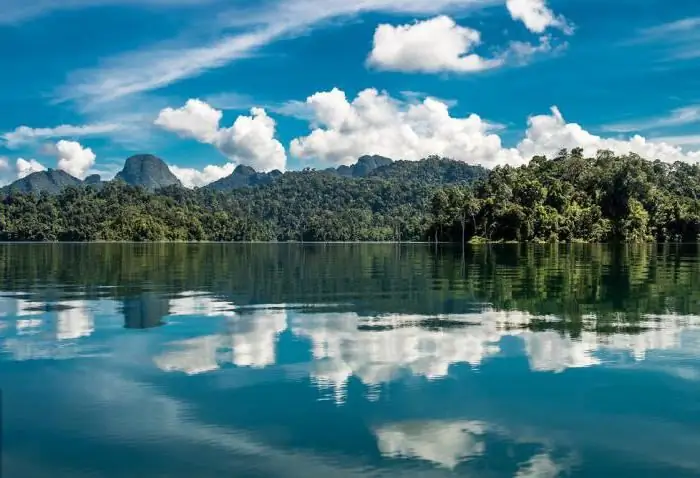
287 84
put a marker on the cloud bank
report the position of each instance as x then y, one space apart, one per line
376 123
250 140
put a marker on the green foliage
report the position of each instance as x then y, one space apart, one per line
569 198
574 199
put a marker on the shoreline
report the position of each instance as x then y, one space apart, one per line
468 243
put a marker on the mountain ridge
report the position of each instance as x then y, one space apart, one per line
152 173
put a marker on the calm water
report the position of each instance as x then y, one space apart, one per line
349 360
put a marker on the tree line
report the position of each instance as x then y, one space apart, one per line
568 198
572 198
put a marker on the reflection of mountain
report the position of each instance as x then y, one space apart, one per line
145 311
250 340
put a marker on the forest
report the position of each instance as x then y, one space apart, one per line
568 198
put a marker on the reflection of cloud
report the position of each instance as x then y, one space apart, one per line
48 330
191 356
194 303
450 443
392 344
15 307
551 352
444 443
376 350
75 321
28 326
250 340
539 466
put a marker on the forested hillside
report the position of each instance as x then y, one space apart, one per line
298 205
573 198
567 198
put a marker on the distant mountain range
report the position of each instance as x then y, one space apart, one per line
152 173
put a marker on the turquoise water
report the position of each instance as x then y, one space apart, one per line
220 360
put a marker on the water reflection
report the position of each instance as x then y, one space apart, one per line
513 365
444 443
249 340
375 349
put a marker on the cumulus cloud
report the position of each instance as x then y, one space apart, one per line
440 45
546 134
434 45
25 167
74 159
196 120
12 170
250 140
376 123
192 177
24 135
536 16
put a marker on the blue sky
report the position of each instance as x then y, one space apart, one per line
209 84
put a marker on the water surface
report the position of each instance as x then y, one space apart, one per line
219 360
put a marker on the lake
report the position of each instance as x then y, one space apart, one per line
264 360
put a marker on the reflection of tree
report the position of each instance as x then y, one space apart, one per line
145 311
565 281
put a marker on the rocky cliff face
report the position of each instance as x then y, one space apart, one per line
147 171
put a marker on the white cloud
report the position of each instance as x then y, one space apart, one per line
10 171
375 123
260 24
23 135
431 46
74 159
547 134
193 178
250 140
195 120
25 167
677 117
536 16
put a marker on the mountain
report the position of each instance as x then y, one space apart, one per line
52 181
364 166
147 171
93 180
243 177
